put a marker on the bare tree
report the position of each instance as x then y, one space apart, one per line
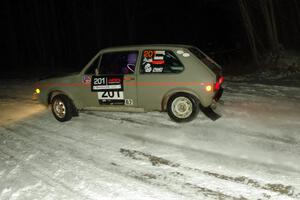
249 29
270 22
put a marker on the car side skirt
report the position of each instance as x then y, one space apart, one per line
114 109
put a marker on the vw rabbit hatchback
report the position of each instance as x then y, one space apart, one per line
178 79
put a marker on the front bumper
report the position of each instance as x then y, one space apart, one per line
35 96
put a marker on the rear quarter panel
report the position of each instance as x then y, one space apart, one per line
154 89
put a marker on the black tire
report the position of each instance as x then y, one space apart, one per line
191 101
66 105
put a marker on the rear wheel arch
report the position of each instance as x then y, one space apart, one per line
168 95
183 107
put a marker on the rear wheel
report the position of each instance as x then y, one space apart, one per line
182 107
62 108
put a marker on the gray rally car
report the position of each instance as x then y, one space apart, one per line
179 79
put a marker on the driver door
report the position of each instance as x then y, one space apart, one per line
115 83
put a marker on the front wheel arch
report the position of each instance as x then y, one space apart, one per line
55 93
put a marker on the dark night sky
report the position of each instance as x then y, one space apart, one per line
46 36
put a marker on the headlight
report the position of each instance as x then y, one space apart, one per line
37 91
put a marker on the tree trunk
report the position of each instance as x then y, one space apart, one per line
269 18
249 30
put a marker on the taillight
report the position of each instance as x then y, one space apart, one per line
219 83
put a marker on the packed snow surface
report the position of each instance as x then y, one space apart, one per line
251 152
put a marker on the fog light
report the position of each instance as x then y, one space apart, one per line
37 91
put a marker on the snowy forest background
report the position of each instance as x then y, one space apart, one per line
43 37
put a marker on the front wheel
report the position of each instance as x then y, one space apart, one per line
182 107
61 108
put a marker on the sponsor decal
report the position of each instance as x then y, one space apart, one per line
114 80
147 60
148 54
158 62
159 55
160 52
106 87
86 79
148 68
186 55
179 52
153 61
154 57
128 102
157 69
176 68
110 89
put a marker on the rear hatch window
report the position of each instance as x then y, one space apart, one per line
207 61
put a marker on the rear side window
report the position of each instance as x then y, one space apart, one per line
118 63
160 61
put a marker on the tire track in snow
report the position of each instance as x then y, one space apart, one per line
155 141
130 120
245 179
163 181
288 143
128 172
158 161
40 175
253 134
212 154
131 172
77 156
199 188
237 161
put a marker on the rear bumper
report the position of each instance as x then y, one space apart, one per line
218 95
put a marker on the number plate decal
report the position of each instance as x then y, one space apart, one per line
110 89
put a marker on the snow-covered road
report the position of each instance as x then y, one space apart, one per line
251 152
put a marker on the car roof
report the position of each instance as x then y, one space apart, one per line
143 46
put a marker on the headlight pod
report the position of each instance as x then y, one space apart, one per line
37 91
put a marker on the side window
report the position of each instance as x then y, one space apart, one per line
158 61
93 66
118 62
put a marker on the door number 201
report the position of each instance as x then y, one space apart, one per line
111 95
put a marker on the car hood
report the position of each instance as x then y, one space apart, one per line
59 78
58 75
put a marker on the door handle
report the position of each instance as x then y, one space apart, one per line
129 78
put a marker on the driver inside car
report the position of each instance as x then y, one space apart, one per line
129 66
